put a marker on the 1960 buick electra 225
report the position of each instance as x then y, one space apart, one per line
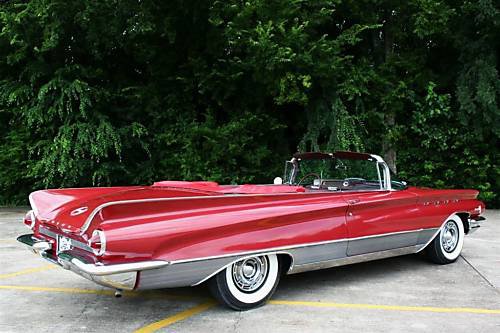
329 209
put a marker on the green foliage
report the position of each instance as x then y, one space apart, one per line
129 92
452 160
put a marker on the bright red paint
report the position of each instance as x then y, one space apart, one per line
216 220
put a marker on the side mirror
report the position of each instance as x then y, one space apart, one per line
278 181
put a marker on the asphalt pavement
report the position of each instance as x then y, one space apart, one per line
403 294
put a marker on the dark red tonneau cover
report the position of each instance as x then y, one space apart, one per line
228 189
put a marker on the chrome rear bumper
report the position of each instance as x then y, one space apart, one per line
119 276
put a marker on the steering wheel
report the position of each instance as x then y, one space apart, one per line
352 181
307 176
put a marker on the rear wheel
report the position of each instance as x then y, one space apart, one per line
447 245
248 283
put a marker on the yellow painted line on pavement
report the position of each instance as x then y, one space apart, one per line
176 318
149 328
106 292
27 271
202 307
385 307
7 241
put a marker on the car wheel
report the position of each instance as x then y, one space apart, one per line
447 245
248 283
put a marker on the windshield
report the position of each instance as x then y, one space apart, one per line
335 174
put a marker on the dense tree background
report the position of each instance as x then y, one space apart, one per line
128 92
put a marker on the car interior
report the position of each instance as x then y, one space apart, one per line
336 172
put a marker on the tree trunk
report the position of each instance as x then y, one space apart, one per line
388 149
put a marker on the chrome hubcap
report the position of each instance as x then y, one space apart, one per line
250 274
449 236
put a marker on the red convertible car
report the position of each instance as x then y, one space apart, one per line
330 209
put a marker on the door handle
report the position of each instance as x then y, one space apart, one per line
352 201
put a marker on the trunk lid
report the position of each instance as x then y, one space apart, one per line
69 209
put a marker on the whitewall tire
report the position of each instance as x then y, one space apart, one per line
447 245
247 283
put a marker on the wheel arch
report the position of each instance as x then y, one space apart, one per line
285 259
286 262
464 216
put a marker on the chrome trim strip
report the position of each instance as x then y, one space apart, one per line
96 210
123 202
47 232
257 252
290 247
75 243
304 258
195 271
388 234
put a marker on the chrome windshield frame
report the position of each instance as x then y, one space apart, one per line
381 165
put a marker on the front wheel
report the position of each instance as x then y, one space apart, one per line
248 283
447 245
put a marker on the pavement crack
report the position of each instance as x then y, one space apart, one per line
480 274
237 322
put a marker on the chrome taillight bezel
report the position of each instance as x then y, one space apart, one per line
32 216
102 239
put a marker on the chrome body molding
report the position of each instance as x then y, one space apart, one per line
156 274
96 210
304 257
89 219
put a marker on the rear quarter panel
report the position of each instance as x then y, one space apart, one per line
220 226
434 206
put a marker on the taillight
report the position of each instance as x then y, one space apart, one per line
29 219
97 242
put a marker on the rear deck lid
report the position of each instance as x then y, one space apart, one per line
69 209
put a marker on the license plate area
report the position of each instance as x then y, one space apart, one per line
63 244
